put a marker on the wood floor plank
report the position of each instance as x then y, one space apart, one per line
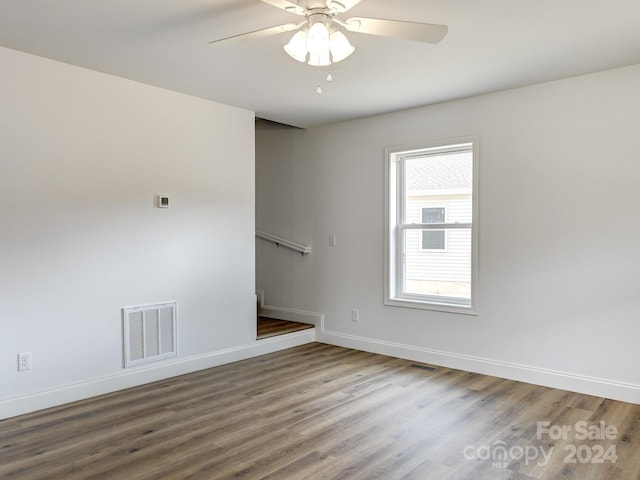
319 412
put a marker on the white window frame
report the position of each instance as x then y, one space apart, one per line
394 230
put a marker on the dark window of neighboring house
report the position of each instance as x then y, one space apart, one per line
433 239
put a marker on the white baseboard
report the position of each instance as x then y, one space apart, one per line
293 315
162 370
549 378
149 373
599 387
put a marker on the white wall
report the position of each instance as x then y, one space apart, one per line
559 232
82 157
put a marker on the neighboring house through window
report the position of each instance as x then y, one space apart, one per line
431 226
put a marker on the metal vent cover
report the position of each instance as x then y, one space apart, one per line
149 333
424 367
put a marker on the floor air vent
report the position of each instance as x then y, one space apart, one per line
425 367
149 333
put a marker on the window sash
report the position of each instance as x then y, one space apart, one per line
400 279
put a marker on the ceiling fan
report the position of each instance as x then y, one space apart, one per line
319 40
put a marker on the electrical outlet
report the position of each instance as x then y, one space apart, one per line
24 361
355 315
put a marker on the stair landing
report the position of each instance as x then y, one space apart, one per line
270 327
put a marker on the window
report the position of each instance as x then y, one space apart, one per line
434 239
431 226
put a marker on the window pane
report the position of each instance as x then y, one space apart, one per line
435 184
437 272
433 215
433 239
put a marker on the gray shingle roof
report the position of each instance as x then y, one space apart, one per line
443 172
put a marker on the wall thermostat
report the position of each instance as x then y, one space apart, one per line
163 202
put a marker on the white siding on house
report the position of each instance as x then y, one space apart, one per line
445 271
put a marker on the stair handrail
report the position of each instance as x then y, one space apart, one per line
298 247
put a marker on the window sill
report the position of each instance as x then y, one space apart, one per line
438 307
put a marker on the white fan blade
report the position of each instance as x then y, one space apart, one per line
340 6
265 32
420 32
289 6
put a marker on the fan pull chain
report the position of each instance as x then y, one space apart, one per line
329 78
319 88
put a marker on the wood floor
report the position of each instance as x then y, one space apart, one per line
270 327
324 412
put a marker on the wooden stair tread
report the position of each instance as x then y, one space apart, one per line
270 327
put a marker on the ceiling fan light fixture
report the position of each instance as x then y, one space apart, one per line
320 42
318 38
320 59
340 46
297 46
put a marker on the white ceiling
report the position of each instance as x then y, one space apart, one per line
491 45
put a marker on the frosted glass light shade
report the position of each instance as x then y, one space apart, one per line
340 46
297 47
320 45
318 39
322 59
